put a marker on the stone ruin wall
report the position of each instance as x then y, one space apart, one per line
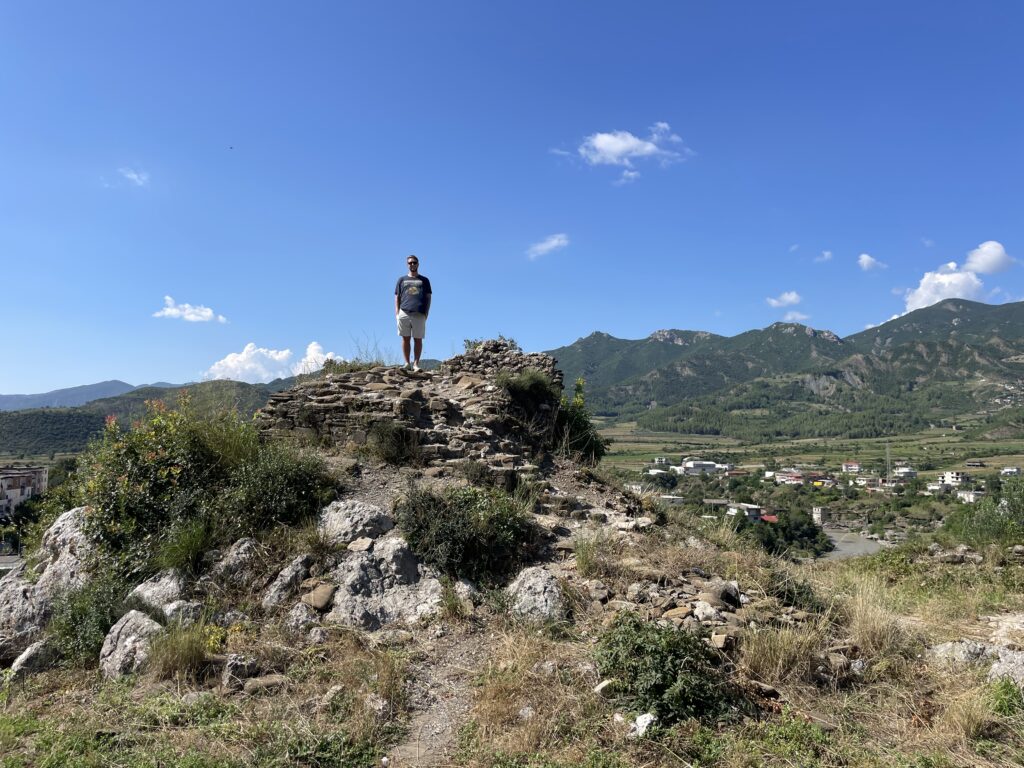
456 413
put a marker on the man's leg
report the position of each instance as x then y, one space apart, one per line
419 351
405 347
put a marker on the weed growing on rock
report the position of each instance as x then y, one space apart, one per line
482 535
180 653
576 435
184 544
392 443
83 616
665 671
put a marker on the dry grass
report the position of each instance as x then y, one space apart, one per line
783 655
534 696
180 653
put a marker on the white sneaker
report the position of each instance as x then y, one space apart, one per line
407 367
415 367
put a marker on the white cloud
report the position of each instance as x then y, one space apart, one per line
624 148
253 364
189 313
987 258
927 242
825 256
794 247
795 317
951 281
868 262
785 299
547 245
628 177
314 359
138 178
260 364
947 282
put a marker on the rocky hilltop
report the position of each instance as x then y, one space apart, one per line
618 635
458 412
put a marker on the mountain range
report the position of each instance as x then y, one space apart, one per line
946 361
943 361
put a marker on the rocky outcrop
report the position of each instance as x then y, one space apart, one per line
345 521
240 567
163 590
537 595
25 606
287 581
383 586
126 647
453 414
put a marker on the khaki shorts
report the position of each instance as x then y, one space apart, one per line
412 324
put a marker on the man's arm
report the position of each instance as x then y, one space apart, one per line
398 296
426 298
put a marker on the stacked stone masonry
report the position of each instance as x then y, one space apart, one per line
456 413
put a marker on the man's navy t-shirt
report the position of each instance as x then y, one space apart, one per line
413 293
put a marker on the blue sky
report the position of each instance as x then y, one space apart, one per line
559 168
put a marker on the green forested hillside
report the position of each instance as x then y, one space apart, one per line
953 358
67 430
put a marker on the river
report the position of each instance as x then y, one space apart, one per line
850 544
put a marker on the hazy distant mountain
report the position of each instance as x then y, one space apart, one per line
64 398
42 430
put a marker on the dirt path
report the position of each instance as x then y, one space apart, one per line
441 697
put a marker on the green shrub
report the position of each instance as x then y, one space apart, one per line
82 617
665 671
183 545
479 534
575 434
1006 698
392 443
529 390
477 473
162 490
988 522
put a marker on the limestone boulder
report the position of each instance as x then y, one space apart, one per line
126 647
64 549
39 656
342 522
963 651
240 567
287 582
1010 666
383 586
22 615
25 606
160 591
536 595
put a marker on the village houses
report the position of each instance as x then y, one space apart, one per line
19 484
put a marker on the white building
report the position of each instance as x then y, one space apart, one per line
696 467
954 478
1009 472
969 497
820 515
904 473
18 484
851 467
750 511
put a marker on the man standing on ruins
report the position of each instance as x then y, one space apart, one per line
412 305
